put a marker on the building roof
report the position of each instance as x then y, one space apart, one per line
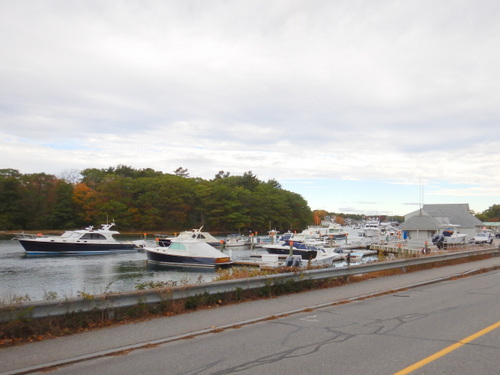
420 222
433 216
458 214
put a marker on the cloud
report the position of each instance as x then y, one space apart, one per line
307 90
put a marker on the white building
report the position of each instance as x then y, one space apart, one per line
434 218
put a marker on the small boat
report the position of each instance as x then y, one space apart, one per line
193 234
80 241
449 236
358 255
321 258
189 253
234 240
305 250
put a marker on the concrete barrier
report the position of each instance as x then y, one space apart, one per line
110 301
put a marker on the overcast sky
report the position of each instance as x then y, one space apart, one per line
359 106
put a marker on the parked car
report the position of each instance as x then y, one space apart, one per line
497 235
483 238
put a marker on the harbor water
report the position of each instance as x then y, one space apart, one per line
44 277
37 278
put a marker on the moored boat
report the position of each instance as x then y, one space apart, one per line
372 228
189 253
193 234
320 258
234 240
80 241
293 247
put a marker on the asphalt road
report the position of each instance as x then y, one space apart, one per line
310 333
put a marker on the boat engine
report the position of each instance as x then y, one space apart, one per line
297 261
293 261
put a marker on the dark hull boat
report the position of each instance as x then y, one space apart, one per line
297 247
84 241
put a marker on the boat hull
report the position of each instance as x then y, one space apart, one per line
185 260
42 247
305 254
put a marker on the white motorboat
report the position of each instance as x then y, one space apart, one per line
193 234
449 236
336 231
81 241
234 240
372 228
320 258
357 255
190 253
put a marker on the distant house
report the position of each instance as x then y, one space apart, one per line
434 218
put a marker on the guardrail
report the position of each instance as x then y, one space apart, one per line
110 301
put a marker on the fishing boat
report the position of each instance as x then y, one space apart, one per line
188 253
449 236
320 258
80 241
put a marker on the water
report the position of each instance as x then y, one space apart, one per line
45 277
38 278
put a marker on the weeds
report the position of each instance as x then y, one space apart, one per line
156 285
25 328
50 296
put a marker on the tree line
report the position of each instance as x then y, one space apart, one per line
142 200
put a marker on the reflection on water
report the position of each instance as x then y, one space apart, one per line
68 276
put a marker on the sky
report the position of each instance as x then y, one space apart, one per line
359 106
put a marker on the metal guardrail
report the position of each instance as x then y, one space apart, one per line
110 301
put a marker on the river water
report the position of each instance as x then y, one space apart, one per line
45 277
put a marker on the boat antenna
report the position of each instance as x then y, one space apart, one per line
421 195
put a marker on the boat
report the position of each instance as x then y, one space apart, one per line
293 247
372 228
188 253
193 234
233 240
320 258
358 255
80 241
449 236
336 231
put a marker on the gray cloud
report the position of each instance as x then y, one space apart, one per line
313 89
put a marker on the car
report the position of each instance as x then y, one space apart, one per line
482 238
497 235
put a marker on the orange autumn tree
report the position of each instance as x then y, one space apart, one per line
85 200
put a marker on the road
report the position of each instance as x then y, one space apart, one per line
379 335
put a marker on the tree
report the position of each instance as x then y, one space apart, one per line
181 172
221 174
11 207
491 214
62 213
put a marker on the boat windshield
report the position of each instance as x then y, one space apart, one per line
93 236
177 246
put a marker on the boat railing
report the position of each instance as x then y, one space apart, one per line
26 236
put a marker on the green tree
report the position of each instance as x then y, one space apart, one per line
491 214
11 207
